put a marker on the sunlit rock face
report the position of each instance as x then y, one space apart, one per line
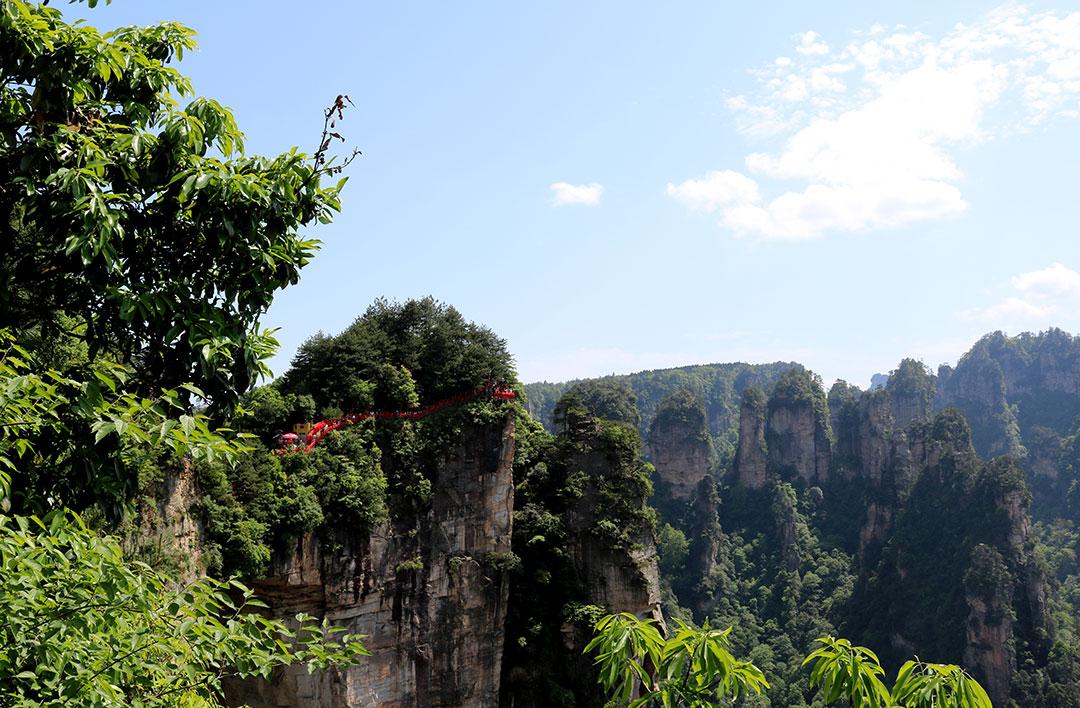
751 457
433 612
797 443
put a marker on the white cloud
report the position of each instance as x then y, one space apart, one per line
1056 280
716 189
566 193
871 133
1040 296
1009 309
811 44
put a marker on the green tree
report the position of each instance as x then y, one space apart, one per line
85 627
923 685
844 672
692 667
133 223
142 245
44 405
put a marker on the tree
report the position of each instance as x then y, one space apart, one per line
842 671
135 225
142 245
85 627
692 667
43 414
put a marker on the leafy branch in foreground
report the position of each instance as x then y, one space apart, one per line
692 667
853 674
139 217
44 416
83 626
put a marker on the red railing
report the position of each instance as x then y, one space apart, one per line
291 442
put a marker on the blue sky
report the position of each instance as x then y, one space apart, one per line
621 186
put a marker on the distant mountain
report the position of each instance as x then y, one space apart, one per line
720 386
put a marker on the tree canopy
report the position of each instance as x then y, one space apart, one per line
135 223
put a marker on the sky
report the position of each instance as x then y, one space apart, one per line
619 186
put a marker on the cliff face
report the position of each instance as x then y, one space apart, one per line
172 531
623 576
586 537
989 652
751 457
787 437
681 457
433 611
797 443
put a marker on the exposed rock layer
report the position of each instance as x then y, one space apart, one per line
434 622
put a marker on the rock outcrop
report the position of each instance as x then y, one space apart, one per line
751 456
171 533
798 432
586 537
679 446
989 650
433 612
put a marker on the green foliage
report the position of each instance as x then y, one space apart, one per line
58 433
161 239
692 667
923 685
606 400
843 671
397 355
267 501
84 626
672 549
853 674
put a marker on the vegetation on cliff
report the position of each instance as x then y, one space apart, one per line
580 514
397 356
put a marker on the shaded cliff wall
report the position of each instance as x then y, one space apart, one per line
950 586
429 593
787 437
586 537
798 431
685 491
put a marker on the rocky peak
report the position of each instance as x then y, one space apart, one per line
679 446
911 388
798 434
751 456
989 652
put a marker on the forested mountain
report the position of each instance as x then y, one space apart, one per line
747 496
883 515
720 386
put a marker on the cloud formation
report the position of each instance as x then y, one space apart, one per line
1038 297
566 193
870 132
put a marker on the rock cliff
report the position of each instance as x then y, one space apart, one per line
430 593
586 538
798 433
751 457
679 446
